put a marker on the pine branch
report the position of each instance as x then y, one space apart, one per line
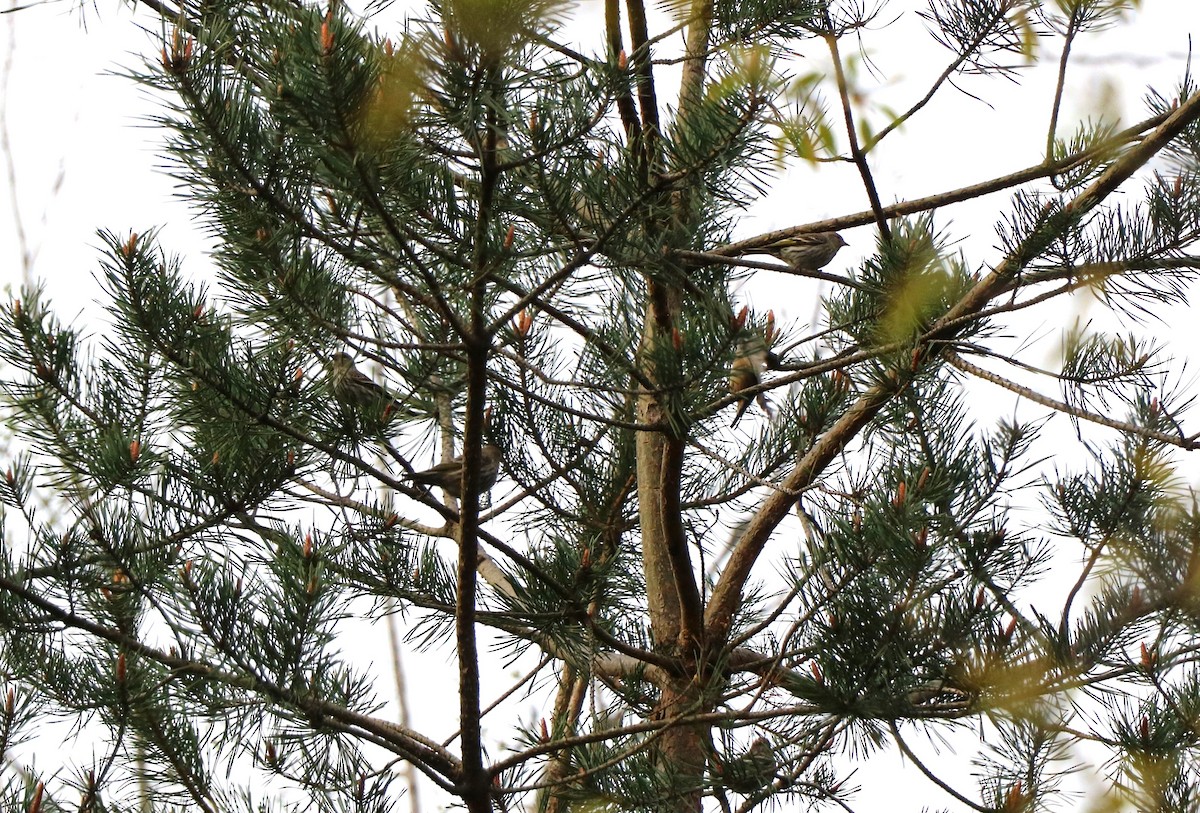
1131 135
727 593
434 763
1125 427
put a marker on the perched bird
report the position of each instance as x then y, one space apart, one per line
750 356
752 771
448 475
590 213
806 252
354 387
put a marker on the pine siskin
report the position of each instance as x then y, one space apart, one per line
806 252
448 475
746 371
752 771
352 386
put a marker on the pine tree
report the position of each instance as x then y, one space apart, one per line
469 244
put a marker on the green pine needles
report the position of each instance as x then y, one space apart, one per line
470 241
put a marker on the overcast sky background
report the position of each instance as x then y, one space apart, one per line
84 158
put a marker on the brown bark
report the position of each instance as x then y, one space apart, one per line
673 594
567 705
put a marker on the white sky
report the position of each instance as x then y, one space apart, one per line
67 117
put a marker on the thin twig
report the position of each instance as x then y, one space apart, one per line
409 773
1056 107
1025 392
930 775
856 152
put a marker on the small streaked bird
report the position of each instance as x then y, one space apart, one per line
352 386
750 357
806 252
448 476
752 771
